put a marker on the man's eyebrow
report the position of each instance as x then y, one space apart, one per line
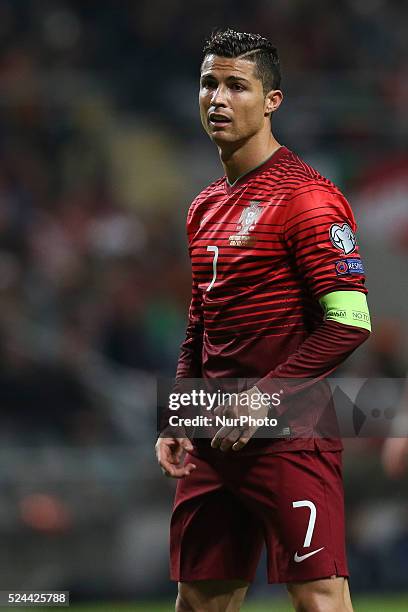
234 77
231 77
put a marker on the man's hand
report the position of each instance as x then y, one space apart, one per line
170 454
238 437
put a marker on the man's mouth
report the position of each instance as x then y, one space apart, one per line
218 119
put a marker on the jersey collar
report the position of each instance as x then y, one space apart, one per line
268 163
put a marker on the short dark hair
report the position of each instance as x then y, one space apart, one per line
254 47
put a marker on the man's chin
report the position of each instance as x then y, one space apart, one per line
220 137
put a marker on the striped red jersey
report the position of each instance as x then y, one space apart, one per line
263 251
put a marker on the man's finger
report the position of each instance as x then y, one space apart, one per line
186 444
177 471
230 439
242 441
219 410
225 437
220 435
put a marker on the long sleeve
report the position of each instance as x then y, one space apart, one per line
320 236
190 357
319 355
189 365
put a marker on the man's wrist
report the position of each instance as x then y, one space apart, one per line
273 388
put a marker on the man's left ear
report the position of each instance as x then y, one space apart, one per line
273 101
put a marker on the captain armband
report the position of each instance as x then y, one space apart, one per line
348 307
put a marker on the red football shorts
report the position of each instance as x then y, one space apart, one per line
232 504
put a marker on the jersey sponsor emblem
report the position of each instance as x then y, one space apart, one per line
246 224
300 558
349 266
342 238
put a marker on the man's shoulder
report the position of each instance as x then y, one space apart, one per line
293 176
209 193
216 187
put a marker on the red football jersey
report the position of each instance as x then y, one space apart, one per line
263 251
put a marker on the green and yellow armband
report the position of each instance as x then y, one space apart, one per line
348 307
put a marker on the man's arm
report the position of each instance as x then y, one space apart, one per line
190 358
325 349
319 233
170 446
321 353
319 237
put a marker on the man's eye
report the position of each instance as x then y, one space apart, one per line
208 85
237 87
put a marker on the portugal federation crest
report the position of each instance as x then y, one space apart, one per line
246 224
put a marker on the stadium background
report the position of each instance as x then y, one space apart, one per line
101 152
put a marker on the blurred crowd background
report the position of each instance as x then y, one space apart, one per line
101 152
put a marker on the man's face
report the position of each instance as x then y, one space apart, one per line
232 101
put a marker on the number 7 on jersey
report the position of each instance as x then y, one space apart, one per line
213 249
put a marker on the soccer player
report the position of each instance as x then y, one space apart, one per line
278 296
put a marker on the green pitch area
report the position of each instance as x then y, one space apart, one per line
365 604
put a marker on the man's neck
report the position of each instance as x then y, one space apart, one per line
238 162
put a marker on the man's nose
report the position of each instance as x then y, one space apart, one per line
219 97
